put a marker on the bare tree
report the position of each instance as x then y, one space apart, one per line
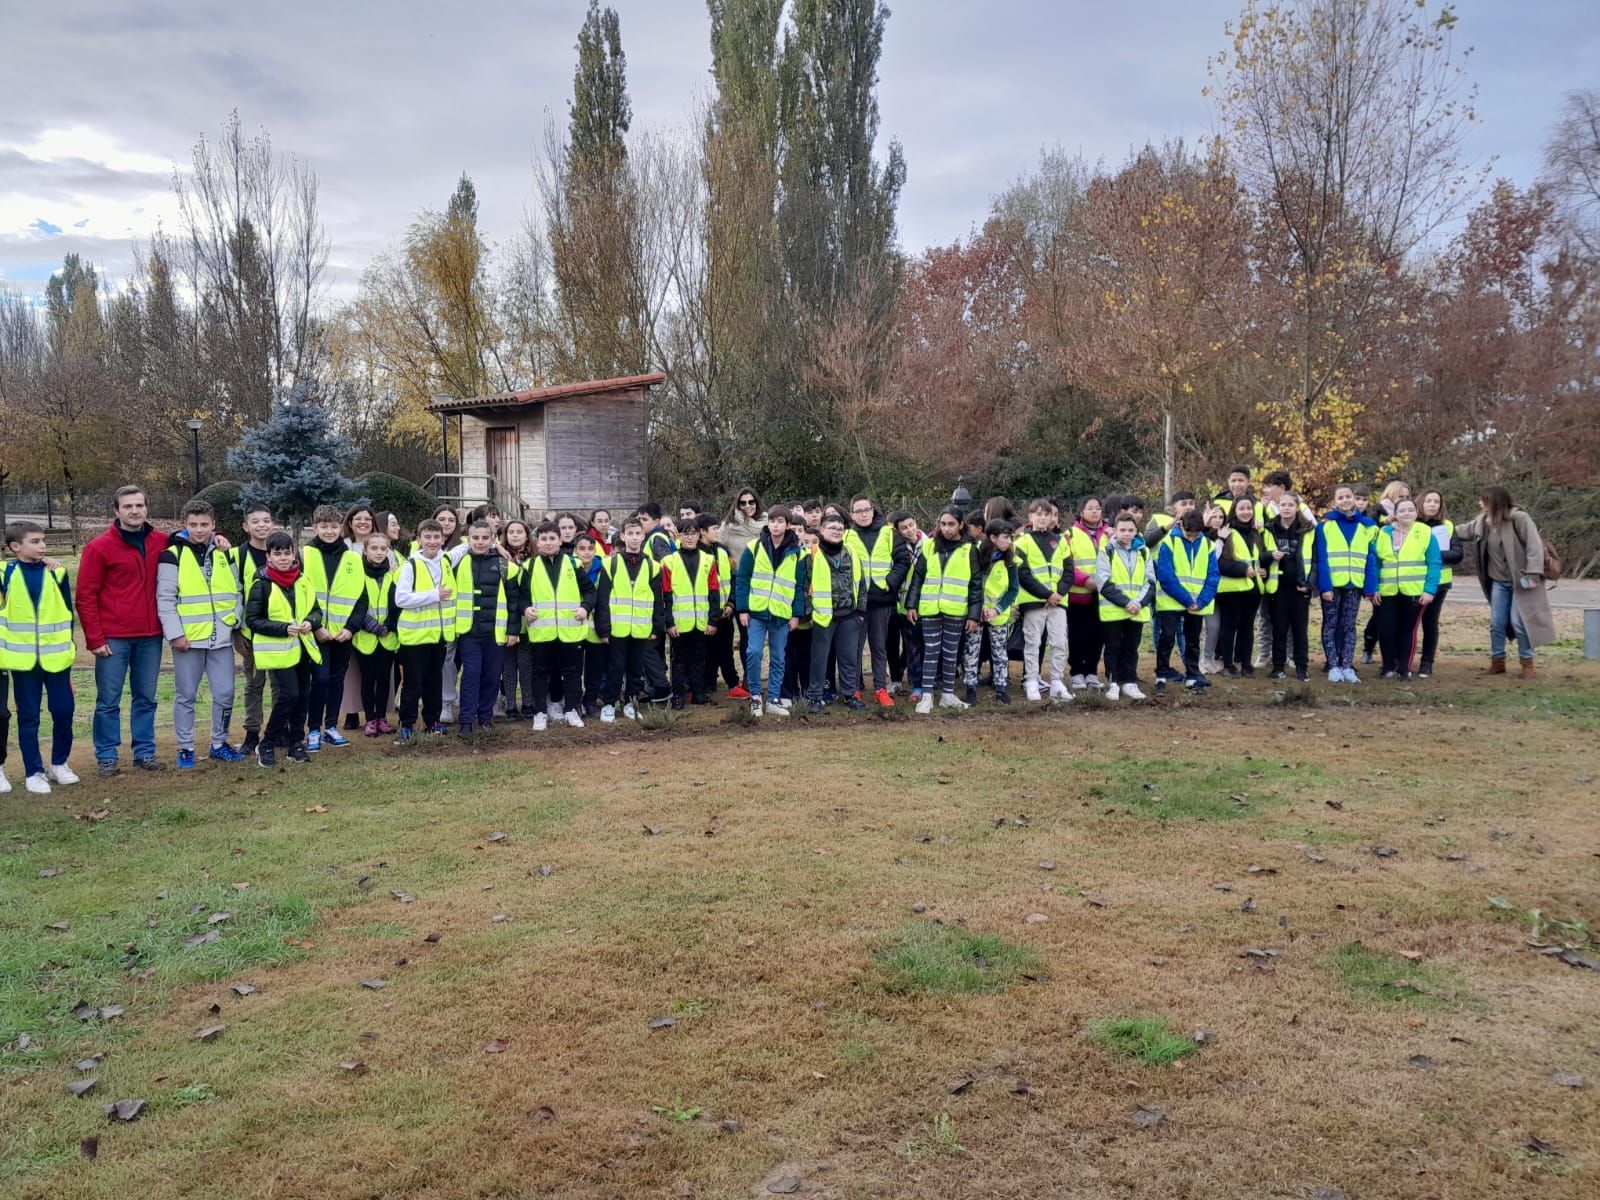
1572 169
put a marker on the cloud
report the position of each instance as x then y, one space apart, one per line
45 227
67 178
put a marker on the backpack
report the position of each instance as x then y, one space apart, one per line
1552 560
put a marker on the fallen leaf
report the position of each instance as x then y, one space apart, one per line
124 1110
652 830
1222 887
241 887
1097 901
89 1147
244 989
662 1022
1336 805
1147 1116
495 1047
1567 1079
87 1064
1204 1037
1385 851
1249 904
110 1011
433 938
201 939
1537 1145
497 836
784 1185
49 872
375 985
1573 959
960 1083
1415 1022
79 1086
97 814
499 918
1422 1062
919 908
354 1066
545 870
1035 919
1329 1193
59 926
401 896
1253 869
317 808
1047 865
731 1126
1411 955
217 918
208 1032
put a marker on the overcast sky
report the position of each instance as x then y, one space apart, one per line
391 100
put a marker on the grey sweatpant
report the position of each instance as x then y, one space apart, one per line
188 668
1041 623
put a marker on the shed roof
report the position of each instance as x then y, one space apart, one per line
623 386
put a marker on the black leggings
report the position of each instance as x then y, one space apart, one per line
1236 626
375 671
1430 627
1085 639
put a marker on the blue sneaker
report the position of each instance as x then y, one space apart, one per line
185 760
226 753
403 738
332 737
314 741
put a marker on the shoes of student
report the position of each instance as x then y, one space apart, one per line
1302 676
1202 681
556 710
893 689
756 708
467 733
1130 691
925 704
512 714
1161 685
1092 681
185 760
265 757
5 784
252 739
971 695
447 712
352 722
1229 672
777 708
1193 683
313 741
630 711
884 697
1335 674
1002 696
541 722
1030 691
1058 690
1247 671
951 700
438 729
370 729
405 736
1078 681
1424 670
107 770
782 702
226 753
1114 692
608 715
149 764
37 784
574 718
829 695
1389 675
298 753
855 703
384 728
677 703
814 708
738 692
332 737
1276 675
61 773
1350 675
1366 658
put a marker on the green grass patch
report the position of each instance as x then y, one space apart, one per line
1148 1040
1209 790
943 960
1389 979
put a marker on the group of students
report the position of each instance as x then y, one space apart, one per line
467 623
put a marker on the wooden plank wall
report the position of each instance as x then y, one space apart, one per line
595 449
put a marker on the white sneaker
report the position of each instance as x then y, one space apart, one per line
756 708
62 774
1058 690
1114 692
1335 674
925 705
556 711
541 722
447 714
786 705
629 711
1077 682
1130 691
574 718
777 708
608 714
5 784
951 700
1030 691
1350 675
1092 681
37 784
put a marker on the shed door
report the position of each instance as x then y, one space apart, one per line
505 466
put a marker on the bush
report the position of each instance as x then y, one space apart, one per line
391 493
226 496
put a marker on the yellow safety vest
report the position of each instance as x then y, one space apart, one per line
467 599
995 585
691 593
1191 563
1046 571
43 637
201 602
1269 582
632 601
272 653
380 607
1084 550
772 591
434 622
1446 574
822 586
1131 582
337 596
1406 572
878 557
1347 562
1241 553
555 609
945 583
244 570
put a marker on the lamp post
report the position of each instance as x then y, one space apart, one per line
960 495
194 424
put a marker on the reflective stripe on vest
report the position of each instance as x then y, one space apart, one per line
1048 572
822 592
380 607
1347 561
1406 572
691 592
29 637
273 653
772 590
555 609
632 600
1084 549
878 557
1269 584
945 582
203 602
337 596
434 622
1241 553
995 584
1191 563
1132 585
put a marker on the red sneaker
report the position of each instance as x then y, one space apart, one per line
738 692
882 697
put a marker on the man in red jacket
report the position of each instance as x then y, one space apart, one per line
117 608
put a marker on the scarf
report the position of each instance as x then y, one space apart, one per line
284 579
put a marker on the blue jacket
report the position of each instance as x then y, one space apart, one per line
747 565
1347 526
1167 575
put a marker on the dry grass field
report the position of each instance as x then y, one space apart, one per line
1269 943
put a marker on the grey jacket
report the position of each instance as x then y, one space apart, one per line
1110 591
167 597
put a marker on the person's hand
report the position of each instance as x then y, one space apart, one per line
711 628
1376 601
911 615
988 614
383 631
1327 597
511 640
1424 600
1528 581
51 563
180 643
101 651
1132 608
1277 556
221 543
794 623
342 636
672 631
324 636
972 627
744 620
1054 600
446 594
580 615
529 615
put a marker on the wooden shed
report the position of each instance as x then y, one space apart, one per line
576 446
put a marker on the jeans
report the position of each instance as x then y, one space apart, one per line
762 632
291 699
480 657
843 638
327 685
1122 650
1503 612
137 663
32 688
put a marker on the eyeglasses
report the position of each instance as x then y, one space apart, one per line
747 503
862 512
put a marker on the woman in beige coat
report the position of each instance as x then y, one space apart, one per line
1509 554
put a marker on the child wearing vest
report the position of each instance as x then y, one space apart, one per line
1044 573
905 641
1346 570
1408 577
426 597
1085 639
945 601
337 577
1289 606
1186 579
720 654
769 602
1243 580
375 643
693 588
249 561
516 671
836 582
1126 585
201 607
630 617
1431 512
36 649
283 616
558 599
797 651
596 654
488 620
997 565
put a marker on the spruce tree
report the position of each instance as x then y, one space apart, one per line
295 460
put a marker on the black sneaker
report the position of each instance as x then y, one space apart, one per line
1161 685
1229 672
265 757
677 703
1002 696
855 703
1276 674
1425 671
1366 658
1248 672
512 715
297 753
150 764
107 770
814 707
971 696
1302 677
252 739
352 721
467 733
